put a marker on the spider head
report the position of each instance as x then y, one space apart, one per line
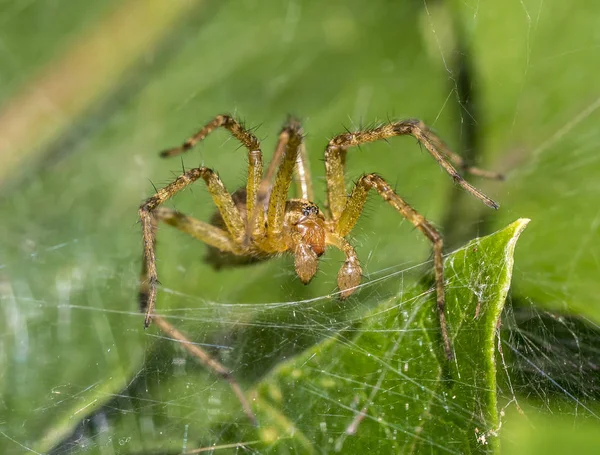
305 225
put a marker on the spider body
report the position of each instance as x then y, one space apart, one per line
304 234
259 221
304 223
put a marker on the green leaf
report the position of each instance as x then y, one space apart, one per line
382 383
70 249
541 98
533 430
75 174
385 385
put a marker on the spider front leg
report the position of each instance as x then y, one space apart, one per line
335 159
255 162
285 160
345 212
231 216
150 214
208 361
352 211
302 175
303 178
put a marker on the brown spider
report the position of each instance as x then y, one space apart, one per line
259 222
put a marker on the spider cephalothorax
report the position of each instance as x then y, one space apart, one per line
258 222
305 235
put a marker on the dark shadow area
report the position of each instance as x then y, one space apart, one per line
550 355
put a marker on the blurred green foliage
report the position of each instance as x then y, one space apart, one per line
69 258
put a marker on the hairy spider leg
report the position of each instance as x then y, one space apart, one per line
301 170
302 177
335 164
150 214
352 212
200 230
222 199
336 150
255 158
291 136
458 160
345 212
304 187
217 367
256 225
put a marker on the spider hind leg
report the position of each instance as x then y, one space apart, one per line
354 208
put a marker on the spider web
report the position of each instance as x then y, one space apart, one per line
80 374
546 351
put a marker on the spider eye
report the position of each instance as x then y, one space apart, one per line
310 210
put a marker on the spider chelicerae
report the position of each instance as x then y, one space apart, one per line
259 221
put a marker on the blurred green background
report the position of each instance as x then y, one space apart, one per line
91 91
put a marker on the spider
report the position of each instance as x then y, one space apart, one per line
258 222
